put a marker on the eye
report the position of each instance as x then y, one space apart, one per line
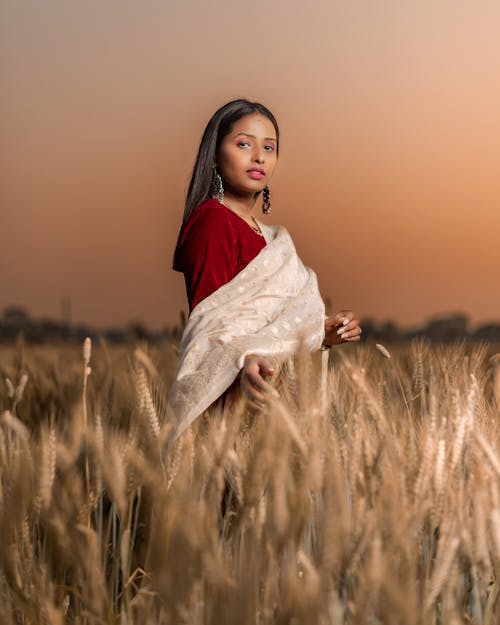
242 143
269 148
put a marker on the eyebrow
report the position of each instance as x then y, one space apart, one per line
254 137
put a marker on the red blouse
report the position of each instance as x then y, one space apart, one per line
215 245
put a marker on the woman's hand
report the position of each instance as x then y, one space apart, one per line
341 328
253 385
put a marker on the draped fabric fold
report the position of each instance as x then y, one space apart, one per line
268 309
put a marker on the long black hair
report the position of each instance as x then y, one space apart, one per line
219 126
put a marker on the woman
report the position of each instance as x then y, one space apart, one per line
250 296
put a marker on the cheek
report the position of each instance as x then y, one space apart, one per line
272 166
231 159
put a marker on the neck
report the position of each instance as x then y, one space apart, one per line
242 205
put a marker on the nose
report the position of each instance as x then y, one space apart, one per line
259 154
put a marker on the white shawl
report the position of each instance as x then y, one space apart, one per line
266 309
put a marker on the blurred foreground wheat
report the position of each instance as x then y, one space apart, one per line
383 509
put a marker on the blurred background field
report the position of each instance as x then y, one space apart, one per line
381 507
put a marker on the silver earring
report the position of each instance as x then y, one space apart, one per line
266 200
216 188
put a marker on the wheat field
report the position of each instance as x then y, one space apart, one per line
378 503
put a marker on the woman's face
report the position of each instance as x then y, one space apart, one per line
247 155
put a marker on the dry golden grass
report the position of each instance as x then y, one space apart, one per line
382 509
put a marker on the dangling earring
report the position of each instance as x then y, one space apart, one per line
266 201
216 188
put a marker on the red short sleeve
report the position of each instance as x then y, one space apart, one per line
208 251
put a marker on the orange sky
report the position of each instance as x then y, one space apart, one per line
387 180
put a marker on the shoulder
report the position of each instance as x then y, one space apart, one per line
209 218
212 208
210 213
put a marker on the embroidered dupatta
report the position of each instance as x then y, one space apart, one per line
266 309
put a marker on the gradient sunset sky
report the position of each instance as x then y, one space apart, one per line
388 177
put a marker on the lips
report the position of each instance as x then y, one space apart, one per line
256 173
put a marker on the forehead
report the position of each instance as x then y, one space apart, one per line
254 124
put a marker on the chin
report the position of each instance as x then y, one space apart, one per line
251 190
245 188
259 187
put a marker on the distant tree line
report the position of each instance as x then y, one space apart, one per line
16 321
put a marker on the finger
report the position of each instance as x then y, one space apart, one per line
343 318
259 401
352 325
336 319
332 325
347 332
334 328
342 315
351 334
258 382
257 364
265 366
348 317
252 394
262 391
353 339
257 404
